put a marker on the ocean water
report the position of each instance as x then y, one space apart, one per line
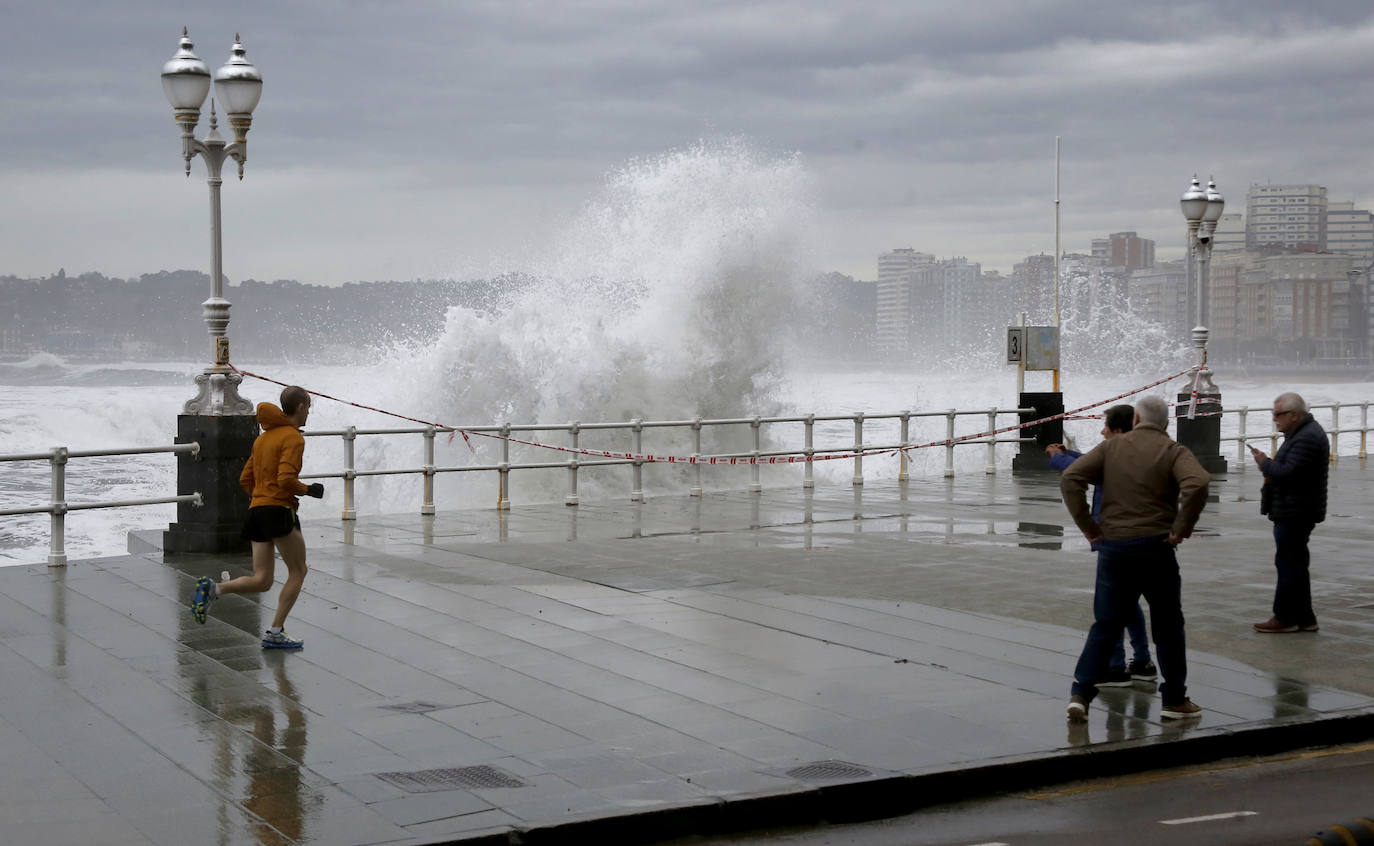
678 291
84 406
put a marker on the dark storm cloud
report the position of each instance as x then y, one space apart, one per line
927 111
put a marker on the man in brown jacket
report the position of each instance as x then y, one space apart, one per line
1153 492
272 477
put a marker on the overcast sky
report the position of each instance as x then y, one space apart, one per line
402 138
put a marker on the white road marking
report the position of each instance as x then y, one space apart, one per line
989 844
1209 818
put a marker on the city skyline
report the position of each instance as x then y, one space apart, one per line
442 140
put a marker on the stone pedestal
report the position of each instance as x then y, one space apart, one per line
225 441
1032 458
1202 434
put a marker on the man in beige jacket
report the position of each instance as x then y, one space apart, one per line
1153 492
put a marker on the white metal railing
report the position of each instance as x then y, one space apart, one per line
1334 431
58 506
636 428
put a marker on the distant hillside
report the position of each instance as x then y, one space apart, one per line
158 315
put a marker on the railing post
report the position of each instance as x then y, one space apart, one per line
1335 432
1364 426
1240 444
906 440
696 453
574 429
350 511
427 507
503 470
809 472
637 447
755 479
57 552
991 469
858 449
949 444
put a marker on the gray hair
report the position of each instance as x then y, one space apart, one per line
1153 410
1290 402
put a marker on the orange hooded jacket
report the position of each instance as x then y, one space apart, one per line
270 476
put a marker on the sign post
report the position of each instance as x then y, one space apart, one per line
1036 348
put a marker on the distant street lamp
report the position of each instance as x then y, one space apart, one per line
1201 434
1202 209
186 82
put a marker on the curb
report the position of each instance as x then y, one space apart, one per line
890 796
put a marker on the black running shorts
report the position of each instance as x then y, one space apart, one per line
266 522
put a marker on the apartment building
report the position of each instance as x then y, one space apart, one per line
1350 231
1292 216
899 273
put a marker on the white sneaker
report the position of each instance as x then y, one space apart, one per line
280 640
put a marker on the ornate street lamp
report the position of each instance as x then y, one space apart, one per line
186 82
1201 209
217 418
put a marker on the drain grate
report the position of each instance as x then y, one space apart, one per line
415 707
432 781
822 770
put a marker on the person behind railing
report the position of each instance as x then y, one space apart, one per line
271 477
1153 491
1294 498
1117 420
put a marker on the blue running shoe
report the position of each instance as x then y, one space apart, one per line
280 640
205 594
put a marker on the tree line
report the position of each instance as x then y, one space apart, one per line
158 315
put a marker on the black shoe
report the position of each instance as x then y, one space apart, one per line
1144 670
1117 677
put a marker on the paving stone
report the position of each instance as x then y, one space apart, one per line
622 658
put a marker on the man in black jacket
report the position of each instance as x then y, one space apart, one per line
1294 497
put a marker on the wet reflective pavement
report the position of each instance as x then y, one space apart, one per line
679 665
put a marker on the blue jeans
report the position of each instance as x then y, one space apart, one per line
1293 592
1140 642
1127 570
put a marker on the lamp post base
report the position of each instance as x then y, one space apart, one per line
1202 435
225 441
217 392
1032 457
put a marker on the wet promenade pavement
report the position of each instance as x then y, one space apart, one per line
619 672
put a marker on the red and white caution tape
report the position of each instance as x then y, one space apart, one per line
448 429
799 457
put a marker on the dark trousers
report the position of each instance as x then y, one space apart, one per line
1140 641
1127 570
1293 591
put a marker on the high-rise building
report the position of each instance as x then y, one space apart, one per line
897 277
1160 294
1311 302
1350 231
1230 234
1303 303
957 295
1292 216
1130 251
1033 287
